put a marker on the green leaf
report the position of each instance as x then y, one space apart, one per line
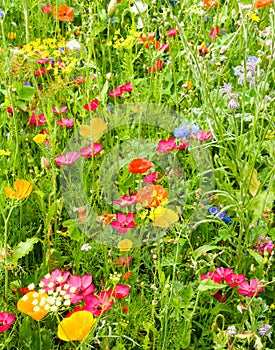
26 93
24 248
209 284
205 248
256 256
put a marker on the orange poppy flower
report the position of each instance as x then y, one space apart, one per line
22 190
151 196
125 245
105 219
64 13
210 3
261 3
127 275
34 304
139 166
76 327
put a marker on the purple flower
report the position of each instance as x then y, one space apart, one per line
265 330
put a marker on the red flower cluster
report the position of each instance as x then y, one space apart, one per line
227 275
120 89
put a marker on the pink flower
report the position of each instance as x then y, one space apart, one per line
202 135
117 92
92 106
79 80
61 111
234 279
207 276
47 8
124 222
37 120
122 261
65 122
164 47
6 320
183 145
41 71
166 146
125 201
220 273
214 32
172 32
252 289
127 87
121 291
43 60
100 303
150 178
91 150
10 110
80 287
69 159
157 66
56 279
264 244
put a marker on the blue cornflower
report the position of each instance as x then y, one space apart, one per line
195 128
227 220
213 210
182 131
2 13
26 83
264 330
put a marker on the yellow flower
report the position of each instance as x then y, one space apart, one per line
125 245
11 35
254 17
22 190
4 153
40 138
76 327
34 304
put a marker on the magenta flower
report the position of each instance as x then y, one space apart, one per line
41 71
166 146
54 280
127 87
91 150
172 32
121 291
234 279
203 135
80 287
250 289
264 244
6 320
183 145
214 32
62 110
125 201
219 296
65 122
47 8
117 92
37 120
100 303
92 106
43 60
220 274
124 222
164 47
151 178
207 276
69 159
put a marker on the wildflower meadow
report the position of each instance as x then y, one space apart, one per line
137 191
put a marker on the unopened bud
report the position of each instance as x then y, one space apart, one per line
45 163
112 8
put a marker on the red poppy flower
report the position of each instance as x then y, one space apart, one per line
140 166
64 13
210 3
261 3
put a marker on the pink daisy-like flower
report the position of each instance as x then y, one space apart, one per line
37 120
54 280
123 222
100 303
234 279
69 159
65 123
6 320
80 287
172 32
202 135
167 146
220 273
92 106
117 92
91 150
121 291
151 178
62 110
125 200
250 289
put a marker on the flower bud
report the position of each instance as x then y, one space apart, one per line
112 8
